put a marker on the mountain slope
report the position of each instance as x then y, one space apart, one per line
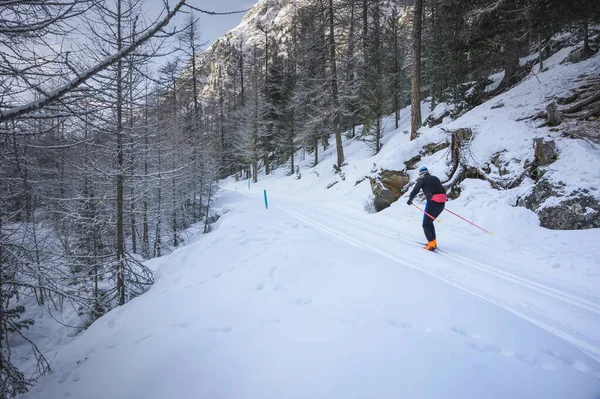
314 297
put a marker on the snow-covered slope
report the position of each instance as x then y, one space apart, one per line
301 301
316 298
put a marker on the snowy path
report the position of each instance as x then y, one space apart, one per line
303 301
552 307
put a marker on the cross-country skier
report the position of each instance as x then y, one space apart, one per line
436 201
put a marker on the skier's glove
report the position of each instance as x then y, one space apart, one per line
409 202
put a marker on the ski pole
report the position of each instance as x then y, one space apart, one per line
424 212
489 232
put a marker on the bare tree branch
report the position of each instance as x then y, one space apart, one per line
14 112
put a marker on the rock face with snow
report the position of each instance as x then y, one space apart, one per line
387 188
557 208
545 151
581 212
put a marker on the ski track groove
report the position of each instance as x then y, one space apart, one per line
541 288
581 303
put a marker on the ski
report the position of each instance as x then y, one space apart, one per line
422 244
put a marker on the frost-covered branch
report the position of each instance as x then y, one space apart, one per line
14 112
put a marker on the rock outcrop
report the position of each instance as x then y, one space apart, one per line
387 187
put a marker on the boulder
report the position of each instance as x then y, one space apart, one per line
432 148
411 164
577 211
580 212
545 152
394 180
384 199
540 193
434 119
387 188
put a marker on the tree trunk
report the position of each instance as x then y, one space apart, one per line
378 135
540 52
396 92
432 77
291 142
145 226
241 65
159 210
120 178
132 159
210 190
415 107
334 88
586 51
267 165
553 114
174 226
511 63
350 67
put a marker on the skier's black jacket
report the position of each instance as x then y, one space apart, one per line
431 185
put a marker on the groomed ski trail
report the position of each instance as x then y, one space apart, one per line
544 301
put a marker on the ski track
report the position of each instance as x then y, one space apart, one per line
524 282
557 295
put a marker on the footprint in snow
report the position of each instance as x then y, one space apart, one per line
464 332
302 301
64 377
219 330
274 320
402 324
550 366
495 349
527 359
569 361
183 324
243 241
260 286
459 330
145 337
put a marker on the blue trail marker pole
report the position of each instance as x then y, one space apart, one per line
266 202
248 182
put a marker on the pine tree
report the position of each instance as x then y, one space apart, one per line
415 110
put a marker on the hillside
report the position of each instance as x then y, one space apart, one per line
500 141
319 297
503 142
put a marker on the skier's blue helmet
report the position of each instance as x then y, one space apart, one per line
423 170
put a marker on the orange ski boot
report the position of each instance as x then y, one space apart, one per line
431 246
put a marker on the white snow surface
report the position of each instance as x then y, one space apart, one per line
316 298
